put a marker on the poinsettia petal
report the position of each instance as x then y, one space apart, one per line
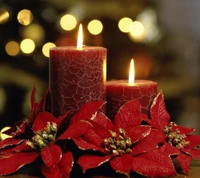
153 164
83 145
184 162
22 147
16 148
90 161
60 119
76 130
128 115
12 163
159 115
39 106
169 149
87 111
92 137
51 172
194 140
66 163
42 104
138 132
51 155
184 130
101 119
100 130
149 143
194 153
33 98
146 119
18 128
122 164
10 142
41 121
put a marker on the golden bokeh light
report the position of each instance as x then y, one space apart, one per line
136 29
124 24
27 46
12 48
4 16
3 136
25 17
68 22
46 47
35 32
95 27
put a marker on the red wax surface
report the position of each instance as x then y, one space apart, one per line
76 77
118 92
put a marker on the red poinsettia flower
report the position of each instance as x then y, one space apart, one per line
178 139
56 162
121 143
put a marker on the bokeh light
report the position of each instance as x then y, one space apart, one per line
4 16
12 48
35 32
136 28
124 24
68 22
95 27
46 47
27 46
25 17
137 31
152 32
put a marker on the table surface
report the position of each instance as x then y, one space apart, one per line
194 173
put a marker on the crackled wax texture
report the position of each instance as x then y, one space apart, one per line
119 92
76 77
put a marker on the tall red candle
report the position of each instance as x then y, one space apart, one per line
76 77
118 92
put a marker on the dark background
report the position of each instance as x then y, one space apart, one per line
168 53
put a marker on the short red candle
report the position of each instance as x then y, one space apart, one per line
118 92
76 77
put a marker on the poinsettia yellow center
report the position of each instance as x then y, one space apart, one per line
174 137
43 137
117 144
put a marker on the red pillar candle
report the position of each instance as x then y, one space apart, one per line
118 92
77 76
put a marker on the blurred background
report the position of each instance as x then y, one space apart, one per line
162 36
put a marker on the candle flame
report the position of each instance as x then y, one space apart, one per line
131 73
80 38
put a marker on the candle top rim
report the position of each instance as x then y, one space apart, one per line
63 48
136 83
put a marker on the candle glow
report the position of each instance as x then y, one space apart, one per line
80 38
131 73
